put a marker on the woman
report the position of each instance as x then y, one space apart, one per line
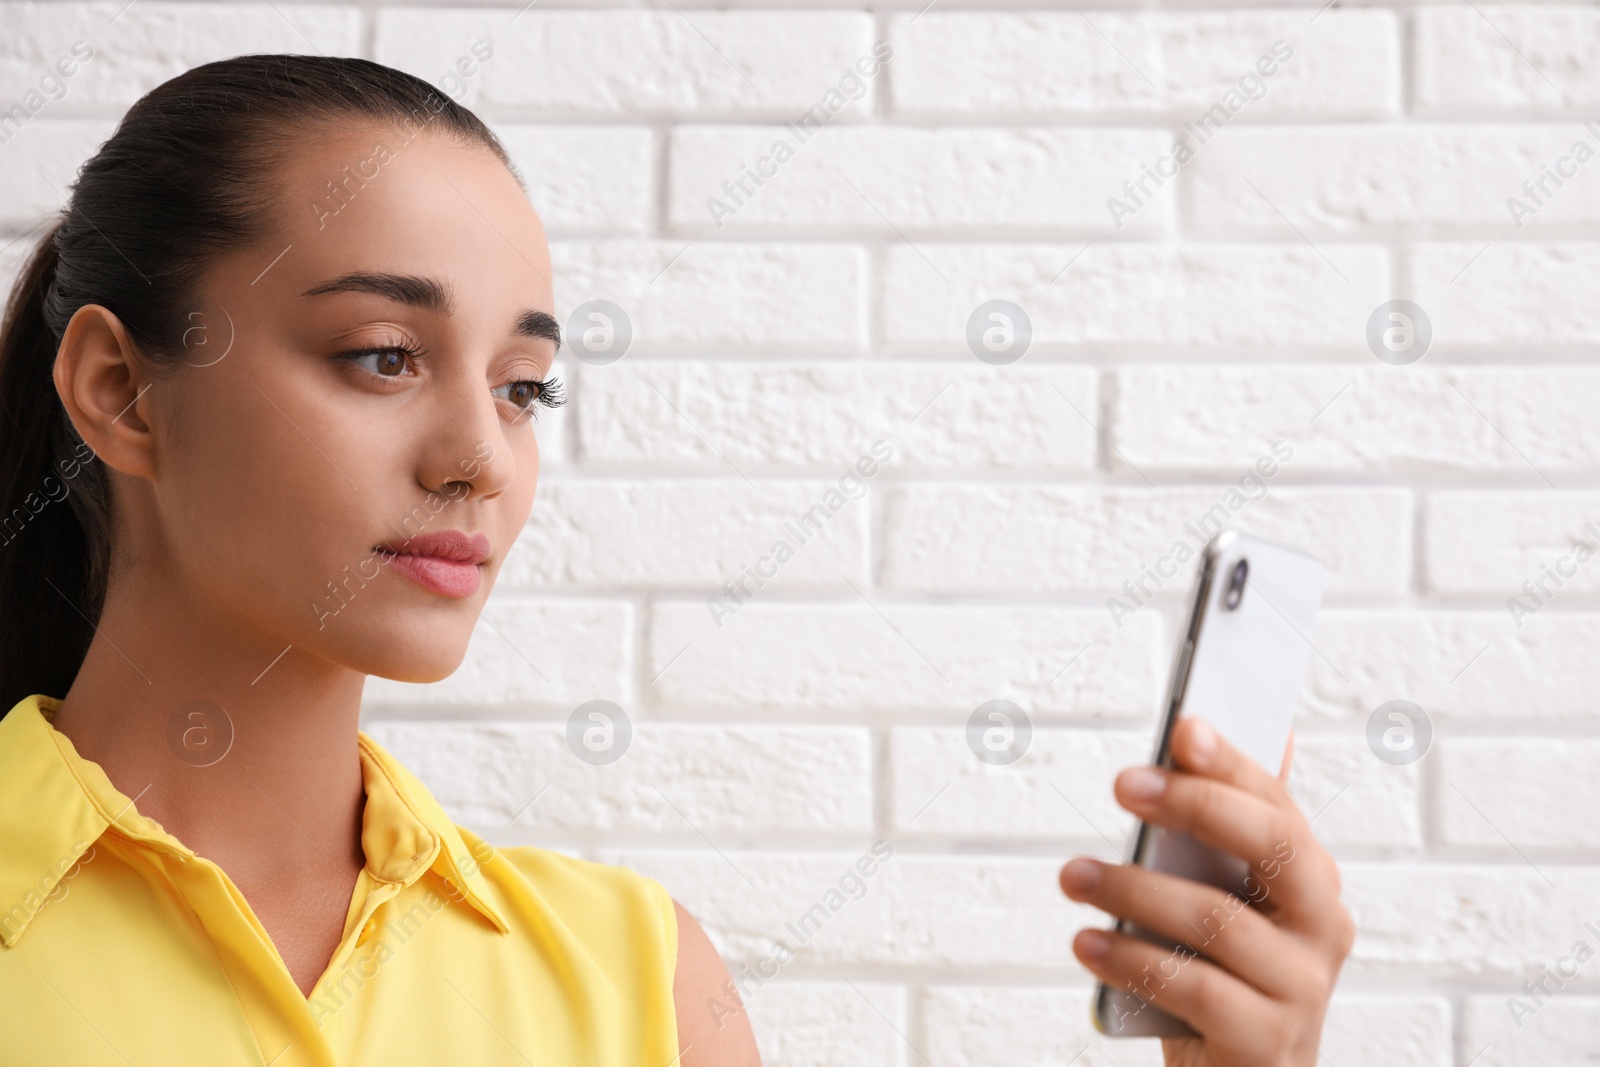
267 394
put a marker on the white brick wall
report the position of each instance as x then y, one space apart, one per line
1171 348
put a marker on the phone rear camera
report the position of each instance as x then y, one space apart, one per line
1236 580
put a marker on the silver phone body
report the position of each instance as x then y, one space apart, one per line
1240 668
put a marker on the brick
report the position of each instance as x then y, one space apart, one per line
999 1026
829 1024
551 654
153 41
887 179
1058 63
552 427
1517 793
637 63
595 179
1343 180
696 533
1398 1029
914 910
824 417
1526 544
1059 789
847 658
1353 799
1265 297
988 1026
1506 58
671 781
14 255
1454 665
42 161
949 537
1369 420
1487 295
708 295
1561 1030
1466 921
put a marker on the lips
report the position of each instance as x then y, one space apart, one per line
451 545
448 563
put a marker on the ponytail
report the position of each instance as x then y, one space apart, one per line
187 176
53 528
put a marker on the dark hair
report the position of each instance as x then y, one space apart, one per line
186 177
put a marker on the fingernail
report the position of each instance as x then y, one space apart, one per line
1204 741
1080 877
1143 783
1093 944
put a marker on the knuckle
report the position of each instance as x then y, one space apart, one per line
1283 1038
1284 826
1207 994
1202 803
1346 932
1321 987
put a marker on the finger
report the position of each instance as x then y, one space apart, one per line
1264 835
1222 927
1198 747
1217 1005
1288 758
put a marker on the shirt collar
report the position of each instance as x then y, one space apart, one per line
54 805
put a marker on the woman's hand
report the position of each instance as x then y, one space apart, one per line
1259 988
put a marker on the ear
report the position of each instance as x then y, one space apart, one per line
102 383
1288 758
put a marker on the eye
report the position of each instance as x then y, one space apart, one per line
527 392
391 357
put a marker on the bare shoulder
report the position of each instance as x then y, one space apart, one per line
713 1027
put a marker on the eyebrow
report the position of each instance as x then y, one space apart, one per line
431 295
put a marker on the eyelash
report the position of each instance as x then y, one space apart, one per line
549 389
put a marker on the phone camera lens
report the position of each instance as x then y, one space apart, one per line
1236 580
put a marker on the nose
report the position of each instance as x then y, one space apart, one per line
466 439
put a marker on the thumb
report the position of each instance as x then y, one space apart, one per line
1288 758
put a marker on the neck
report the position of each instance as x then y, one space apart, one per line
240 747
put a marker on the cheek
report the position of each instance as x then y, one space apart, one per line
262 494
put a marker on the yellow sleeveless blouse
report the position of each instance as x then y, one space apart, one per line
119 945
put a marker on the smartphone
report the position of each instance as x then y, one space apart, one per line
1239 666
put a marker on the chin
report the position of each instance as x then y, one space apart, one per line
428 652
419 670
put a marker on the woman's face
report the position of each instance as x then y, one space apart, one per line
281 466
